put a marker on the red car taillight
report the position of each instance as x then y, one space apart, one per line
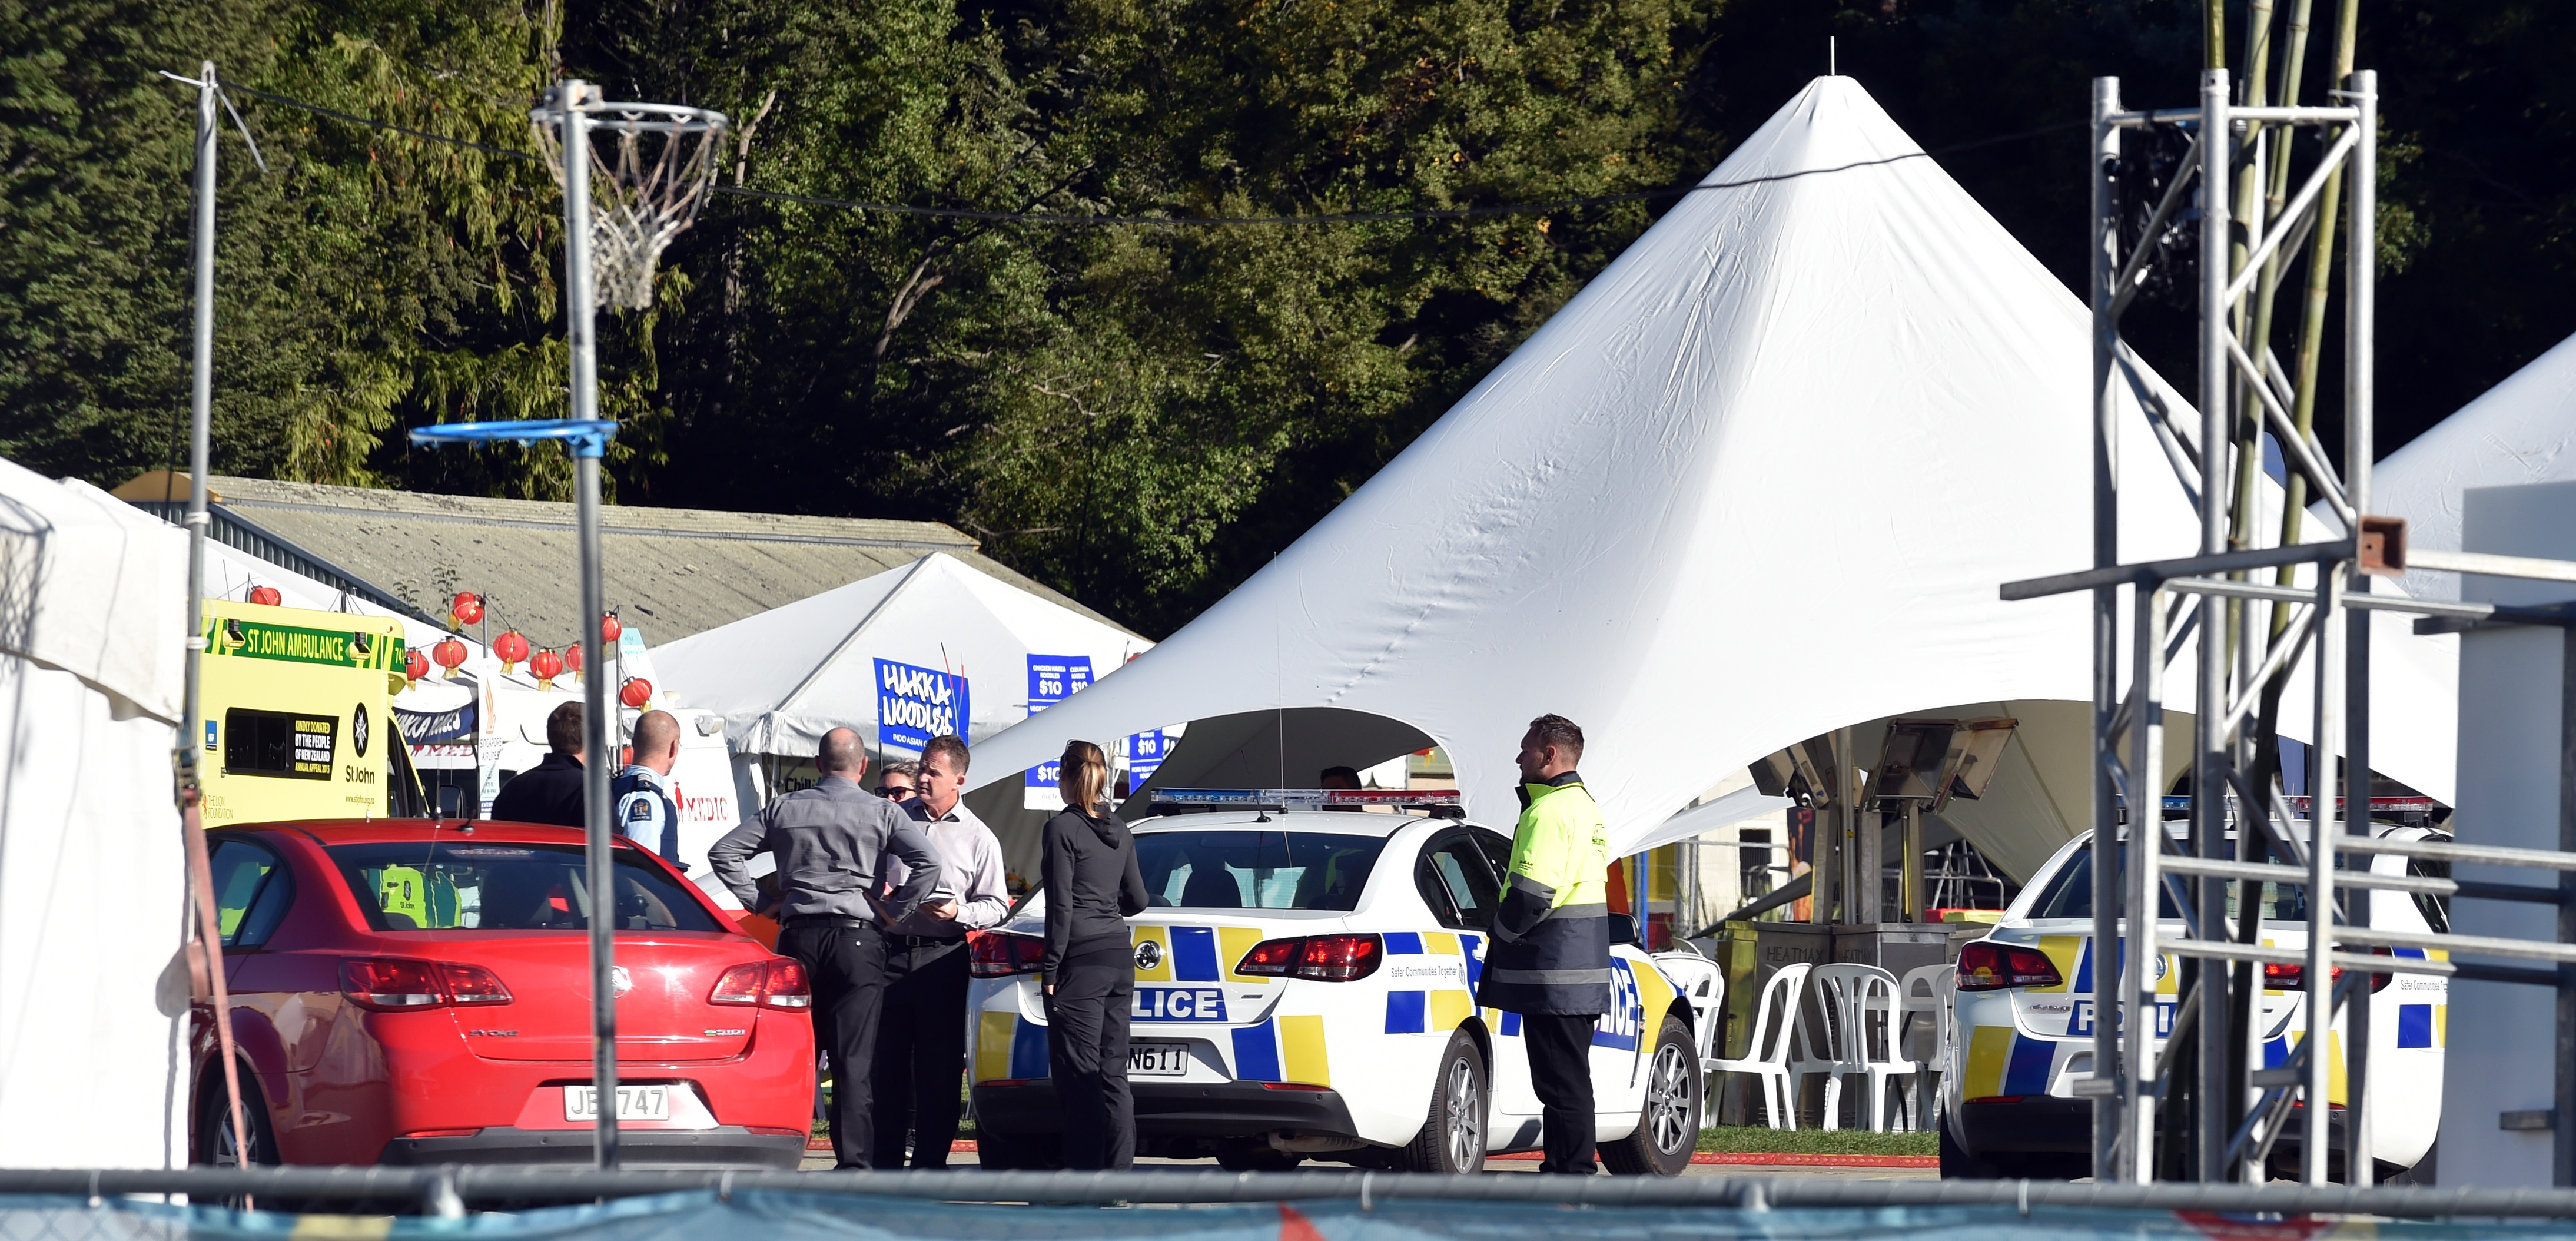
787 987
1000 954
1989 966
1323 958
774 983
393 985
473 984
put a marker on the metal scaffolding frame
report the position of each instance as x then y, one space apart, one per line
2236 1111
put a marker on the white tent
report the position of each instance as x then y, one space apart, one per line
786 676
2521 431
93 991
1760 480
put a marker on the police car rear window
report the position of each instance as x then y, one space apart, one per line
507 887
2070 894
1250 869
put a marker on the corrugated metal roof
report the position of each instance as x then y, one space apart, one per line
672 571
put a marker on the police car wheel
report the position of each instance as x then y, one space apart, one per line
1668 1127
1452 1140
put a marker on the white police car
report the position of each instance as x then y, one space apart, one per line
2023 1031
1304 989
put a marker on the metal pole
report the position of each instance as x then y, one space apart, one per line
2146 824
201 415
574 128
1910 873
2322 828
2562 1154
2359 446
2211 760
2106 628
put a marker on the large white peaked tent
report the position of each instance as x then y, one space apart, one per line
1760 480
786 676
93 991
2520 431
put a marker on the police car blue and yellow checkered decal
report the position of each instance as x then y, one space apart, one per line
1282 1049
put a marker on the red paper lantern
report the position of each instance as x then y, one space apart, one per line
547 665
609 628
635 692
572 657
468 608
266 596
415 664
449 653
511 647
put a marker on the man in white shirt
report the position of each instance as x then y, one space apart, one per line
921 1040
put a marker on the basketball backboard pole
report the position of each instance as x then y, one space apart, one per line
651 201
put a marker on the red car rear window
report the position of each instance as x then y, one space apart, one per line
500 886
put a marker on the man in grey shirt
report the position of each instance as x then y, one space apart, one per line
921 1046
835 843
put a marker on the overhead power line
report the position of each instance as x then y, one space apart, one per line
1095 221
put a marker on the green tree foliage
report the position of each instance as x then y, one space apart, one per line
1142 413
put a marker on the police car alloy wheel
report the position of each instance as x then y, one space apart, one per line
1452 1140
1668 1128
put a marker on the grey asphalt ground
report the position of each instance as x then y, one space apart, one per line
819 1161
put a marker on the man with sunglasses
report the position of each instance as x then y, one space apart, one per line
900 783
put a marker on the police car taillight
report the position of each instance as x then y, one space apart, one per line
2278 976
1987 966
1322 958
1000 954
1338 958
1270 956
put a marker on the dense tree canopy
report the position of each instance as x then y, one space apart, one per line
1141 413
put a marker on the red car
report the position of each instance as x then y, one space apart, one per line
418 992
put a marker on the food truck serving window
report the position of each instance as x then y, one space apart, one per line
295 745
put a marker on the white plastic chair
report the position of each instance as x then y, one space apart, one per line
1928 993
1703 986
1775 1024
1852 1029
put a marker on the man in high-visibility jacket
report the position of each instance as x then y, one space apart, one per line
1550 960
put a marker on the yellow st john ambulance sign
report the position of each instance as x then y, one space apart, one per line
297 713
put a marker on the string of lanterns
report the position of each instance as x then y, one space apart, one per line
511 648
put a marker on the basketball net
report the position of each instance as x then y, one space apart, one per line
651 168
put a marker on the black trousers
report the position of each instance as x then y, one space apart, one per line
846 962
921 1052
1087 1053
1560 1060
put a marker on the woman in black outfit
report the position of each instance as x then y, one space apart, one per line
1092 888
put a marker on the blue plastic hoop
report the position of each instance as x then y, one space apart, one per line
587 437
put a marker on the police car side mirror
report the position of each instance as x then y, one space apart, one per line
1623 929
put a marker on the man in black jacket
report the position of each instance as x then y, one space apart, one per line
549 792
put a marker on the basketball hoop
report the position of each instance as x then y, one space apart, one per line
651 166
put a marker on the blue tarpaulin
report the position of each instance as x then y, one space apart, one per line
777 1216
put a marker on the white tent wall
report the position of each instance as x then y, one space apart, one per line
94 991
1761 479
2520 431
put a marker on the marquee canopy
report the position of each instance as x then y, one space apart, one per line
948 635
1759 480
